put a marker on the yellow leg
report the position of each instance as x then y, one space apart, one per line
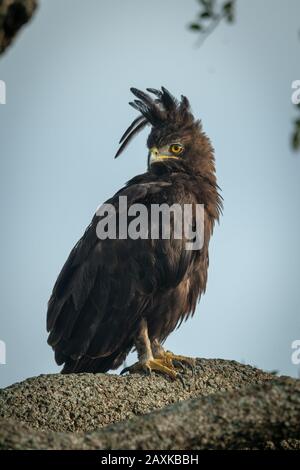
152 357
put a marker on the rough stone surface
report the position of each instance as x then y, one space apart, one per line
224 405
83 402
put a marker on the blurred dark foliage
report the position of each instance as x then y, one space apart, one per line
13 15
295 140
15 18
211 13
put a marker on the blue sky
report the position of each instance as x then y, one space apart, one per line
68 77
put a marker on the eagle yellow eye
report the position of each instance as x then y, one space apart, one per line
176 149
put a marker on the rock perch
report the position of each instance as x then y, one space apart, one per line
225 405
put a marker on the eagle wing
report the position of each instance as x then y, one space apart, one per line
105 286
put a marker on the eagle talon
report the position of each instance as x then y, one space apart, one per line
180 377
123 371
191 366
178 364
174 360
154 365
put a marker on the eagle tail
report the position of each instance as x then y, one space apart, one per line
90 365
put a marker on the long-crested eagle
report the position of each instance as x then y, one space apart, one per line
116 294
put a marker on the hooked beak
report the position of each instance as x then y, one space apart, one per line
156 156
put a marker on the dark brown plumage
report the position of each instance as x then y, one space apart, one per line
113 295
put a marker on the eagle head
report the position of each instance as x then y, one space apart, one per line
176 138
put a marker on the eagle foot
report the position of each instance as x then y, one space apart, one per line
174 360
154 365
